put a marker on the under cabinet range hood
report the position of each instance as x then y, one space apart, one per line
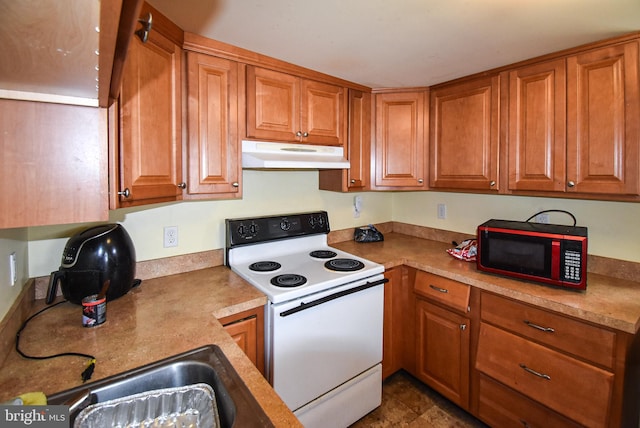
268 155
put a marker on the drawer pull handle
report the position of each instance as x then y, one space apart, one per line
538 327
524 423
441 290
528 370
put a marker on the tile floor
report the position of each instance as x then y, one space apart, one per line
407 402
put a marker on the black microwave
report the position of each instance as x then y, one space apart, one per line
547 253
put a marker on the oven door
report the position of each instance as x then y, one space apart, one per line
321 341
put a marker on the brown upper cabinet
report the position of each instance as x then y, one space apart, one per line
358 149
603 107
150 141
54 164
573 123
400 141
154 162
283 107
464 135
537 127
214 113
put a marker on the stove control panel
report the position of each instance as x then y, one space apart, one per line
263 229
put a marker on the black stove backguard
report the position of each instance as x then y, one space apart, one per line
254 230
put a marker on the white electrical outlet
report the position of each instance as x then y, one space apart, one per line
542 218
357 206
442 211
13 269
171 236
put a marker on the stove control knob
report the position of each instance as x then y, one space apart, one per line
253 229
284 224
242 230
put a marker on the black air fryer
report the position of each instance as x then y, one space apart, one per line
92 257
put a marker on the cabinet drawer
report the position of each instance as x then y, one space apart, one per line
446 291
575 337
500 406
571 387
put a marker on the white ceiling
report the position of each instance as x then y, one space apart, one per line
403 43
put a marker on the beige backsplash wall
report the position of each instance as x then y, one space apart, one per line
201 224
614 228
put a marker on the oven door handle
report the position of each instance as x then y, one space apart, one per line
303 306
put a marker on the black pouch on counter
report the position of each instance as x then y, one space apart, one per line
367 234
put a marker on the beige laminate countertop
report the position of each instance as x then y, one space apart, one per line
608 301
163 317
173 314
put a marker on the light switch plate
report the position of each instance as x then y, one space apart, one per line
13 269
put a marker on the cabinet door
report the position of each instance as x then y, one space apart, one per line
400 141
602 122
213 144
443 351
464 135
273 105
537 127
323 113
245 335
150 134
53 164
394 310
358 149
247 329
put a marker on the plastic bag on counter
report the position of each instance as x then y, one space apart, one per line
367 234
466 250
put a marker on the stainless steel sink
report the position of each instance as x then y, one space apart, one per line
236 406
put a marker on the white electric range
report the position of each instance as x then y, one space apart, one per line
323 329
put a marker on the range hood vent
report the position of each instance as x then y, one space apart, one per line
268 155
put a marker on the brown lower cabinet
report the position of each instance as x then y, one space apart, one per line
506 362
443 335
247 329
500 406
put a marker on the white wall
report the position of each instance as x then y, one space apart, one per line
614 227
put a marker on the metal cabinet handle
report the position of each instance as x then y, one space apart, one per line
463 327
182 185
353 181
539 327
126 193
235 184
524 423
571 184
305 134
420 180
441 290
533 372
492 183
299 134
147 23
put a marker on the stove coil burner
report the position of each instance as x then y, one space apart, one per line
265 266
344 265
323 254
288 280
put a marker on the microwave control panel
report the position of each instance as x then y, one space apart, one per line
572 266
